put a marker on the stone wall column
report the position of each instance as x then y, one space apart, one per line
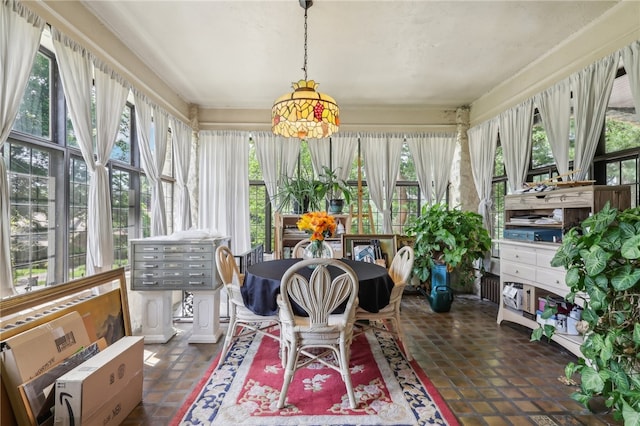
467 194
193 183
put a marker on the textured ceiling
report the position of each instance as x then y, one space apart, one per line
244 54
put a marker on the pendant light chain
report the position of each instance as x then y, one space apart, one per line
304 68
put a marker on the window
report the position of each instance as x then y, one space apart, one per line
34 113
49 185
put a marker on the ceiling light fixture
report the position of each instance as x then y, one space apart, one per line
305 113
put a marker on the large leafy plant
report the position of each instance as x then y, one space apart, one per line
602 260
452 237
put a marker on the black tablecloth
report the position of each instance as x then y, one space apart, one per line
262 284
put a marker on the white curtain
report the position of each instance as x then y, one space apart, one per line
181 139
224 186
152 138
74 63
381 153
483 141
631 59
319 150
591 90
515 138
277 157
554 105
19 40
442 148
343 151
420 148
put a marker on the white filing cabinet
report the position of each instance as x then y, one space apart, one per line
160 265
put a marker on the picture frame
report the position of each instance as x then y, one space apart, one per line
362 245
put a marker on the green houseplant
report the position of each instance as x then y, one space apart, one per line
452 237
602 260
301 193
336 191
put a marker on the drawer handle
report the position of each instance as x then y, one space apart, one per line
147 275
149 282
196 283
149 248
194 274
195 257
150 257
196 266
149 266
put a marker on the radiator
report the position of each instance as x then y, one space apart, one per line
490 287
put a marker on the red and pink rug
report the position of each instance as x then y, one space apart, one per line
245 389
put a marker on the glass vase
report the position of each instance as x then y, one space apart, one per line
316 249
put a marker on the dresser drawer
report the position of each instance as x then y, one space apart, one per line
524 273
552 280
518 254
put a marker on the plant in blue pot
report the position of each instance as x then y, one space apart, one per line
446 240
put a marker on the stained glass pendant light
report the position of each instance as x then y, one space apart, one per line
305 113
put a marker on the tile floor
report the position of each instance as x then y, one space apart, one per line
489 374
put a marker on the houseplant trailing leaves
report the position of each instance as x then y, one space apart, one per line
336 191
452 237
602 260
300 193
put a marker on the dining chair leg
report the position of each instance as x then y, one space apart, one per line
288 374
398 329
346 375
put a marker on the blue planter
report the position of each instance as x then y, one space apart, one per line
441 295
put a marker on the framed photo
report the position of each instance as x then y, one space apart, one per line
404 240
374 248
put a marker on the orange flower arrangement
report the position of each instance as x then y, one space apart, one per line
319 225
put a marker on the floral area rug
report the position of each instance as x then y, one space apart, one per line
245 388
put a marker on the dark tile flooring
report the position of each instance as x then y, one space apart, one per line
489 374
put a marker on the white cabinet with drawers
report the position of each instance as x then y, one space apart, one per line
529 264
160 265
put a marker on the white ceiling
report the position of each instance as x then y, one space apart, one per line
244 54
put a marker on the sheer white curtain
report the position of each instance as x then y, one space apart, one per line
343 151
181 140
277 157
631 59
74 63
420 148
515 138
554 105
319 150
442 148
19 40
381 153
483 140
591 90
152 140
224 186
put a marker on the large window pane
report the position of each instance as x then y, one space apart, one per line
120 214
78 192
122 148
32 199
34 113
541 154
622 127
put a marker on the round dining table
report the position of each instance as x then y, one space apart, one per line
262 284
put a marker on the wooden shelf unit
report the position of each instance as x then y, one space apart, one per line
284 241
529 262
576 203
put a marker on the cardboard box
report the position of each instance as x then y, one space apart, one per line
118 407
34 352
529 299
38 393
95 388
512 296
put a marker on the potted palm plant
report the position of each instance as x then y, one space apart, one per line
448 238
602 260
336 191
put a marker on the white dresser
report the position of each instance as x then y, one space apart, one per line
159 266
530 264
